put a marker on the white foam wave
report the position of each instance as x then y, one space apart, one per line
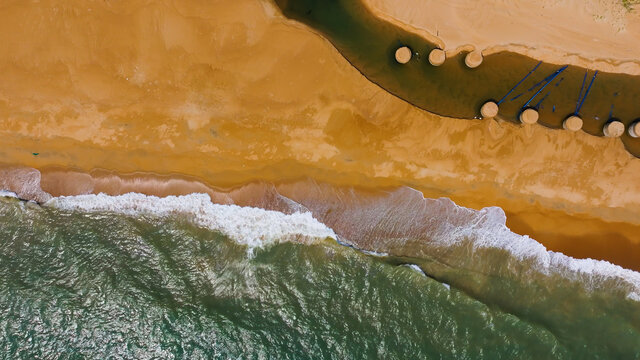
404 222
489 231
416 268
247 225
8 194
375 253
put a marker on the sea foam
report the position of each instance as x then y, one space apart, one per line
8 194
251 226
489 231
402 222
440 228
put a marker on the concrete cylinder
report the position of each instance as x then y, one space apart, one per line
529 116
489 110
613 129
634 129
473 59
437 57
572 123
403 55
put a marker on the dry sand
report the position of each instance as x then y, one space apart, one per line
600 34
229 92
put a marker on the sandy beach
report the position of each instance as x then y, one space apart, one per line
189 88
597 34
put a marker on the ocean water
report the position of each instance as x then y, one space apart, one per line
179 277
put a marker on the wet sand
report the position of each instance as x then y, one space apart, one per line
577 235
597 34
232 92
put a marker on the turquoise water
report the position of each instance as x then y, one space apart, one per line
77 284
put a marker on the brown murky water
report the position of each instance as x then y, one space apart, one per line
453 90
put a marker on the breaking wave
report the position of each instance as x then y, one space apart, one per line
397 223
247 225
8 194
472 251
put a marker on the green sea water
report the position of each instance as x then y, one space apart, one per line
101 285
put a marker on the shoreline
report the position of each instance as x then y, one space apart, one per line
577 235
303 113
621 65
430 87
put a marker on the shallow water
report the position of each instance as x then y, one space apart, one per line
453 90
94 282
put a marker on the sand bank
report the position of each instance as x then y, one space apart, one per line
216 92
597 34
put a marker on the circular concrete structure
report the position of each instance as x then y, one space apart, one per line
489 110
437 57
529 116
634 129
572 123
473 59
403 55
613 129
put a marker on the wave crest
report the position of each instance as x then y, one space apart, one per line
399 222
247 225
402 222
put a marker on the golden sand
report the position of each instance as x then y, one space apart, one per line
231 92
597 34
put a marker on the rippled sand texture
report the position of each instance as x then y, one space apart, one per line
230 91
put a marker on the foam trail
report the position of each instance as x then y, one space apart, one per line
374 253
419 270
8 194
416 268
490 231
404 223
487 230
247 225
